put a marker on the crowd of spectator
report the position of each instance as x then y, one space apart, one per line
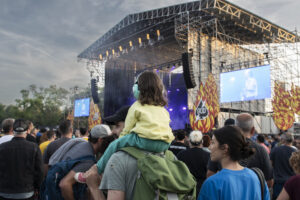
134 154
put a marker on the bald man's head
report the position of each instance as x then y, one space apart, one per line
246 122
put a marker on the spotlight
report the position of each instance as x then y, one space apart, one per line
158 33
131 46
171 109
140 42
159 37
184 108
100 57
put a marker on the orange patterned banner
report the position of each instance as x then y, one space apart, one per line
95 117
282 106
211 92
295 92
201 117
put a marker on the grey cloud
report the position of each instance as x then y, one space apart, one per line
40 40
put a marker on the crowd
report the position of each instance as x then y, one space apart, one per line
134 154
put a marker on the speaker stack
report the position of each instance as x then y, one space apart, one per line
188 72
94 90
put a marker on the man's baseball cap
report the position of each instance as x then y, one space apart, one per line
100 131
119 116
20 125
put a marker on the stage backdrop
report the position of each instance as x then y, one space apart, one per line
118 92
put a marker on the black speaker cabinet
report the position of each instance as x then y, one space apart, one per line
94 90
188 72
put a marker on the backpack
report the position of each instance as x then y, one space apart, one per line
261 179
161 177
50 187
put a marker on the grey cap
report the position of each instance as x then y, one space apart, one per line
100 131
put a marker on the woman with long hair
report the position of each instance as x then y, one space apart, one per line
229 146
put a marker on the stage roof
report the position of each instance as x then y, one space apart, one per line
236 21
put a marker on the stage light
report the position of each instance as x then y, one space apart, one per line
131 46
177 90
169 91
100 56
113 52
148 36
171 109
184 108
120 48
159 37
140 42
106 53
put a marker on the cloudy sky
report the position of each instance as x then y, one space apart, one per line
40 40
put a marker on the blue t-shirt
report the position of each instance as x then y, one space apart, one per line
231 185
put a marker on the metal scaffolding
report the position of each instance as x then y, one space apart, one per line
216 51
222 36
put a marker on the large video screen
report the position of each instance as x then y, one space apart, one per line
245 85
82 107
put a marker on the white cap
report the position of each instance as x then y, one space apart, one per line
196 137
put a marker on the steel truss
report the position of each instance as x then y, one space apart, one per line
216 51
228 12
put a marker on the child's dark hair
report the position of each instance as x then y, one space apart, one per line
151 89
238 146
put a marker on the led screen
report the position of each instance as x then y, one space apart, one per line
245 85
82 107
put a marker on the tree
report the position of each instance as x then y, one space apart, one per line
43 105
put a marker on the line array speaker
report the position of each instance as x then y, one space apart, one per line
188 72
94 90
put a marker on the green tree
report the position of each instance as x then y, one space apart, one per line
44 106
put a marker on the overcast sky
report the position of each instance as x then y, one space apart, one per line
40 39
